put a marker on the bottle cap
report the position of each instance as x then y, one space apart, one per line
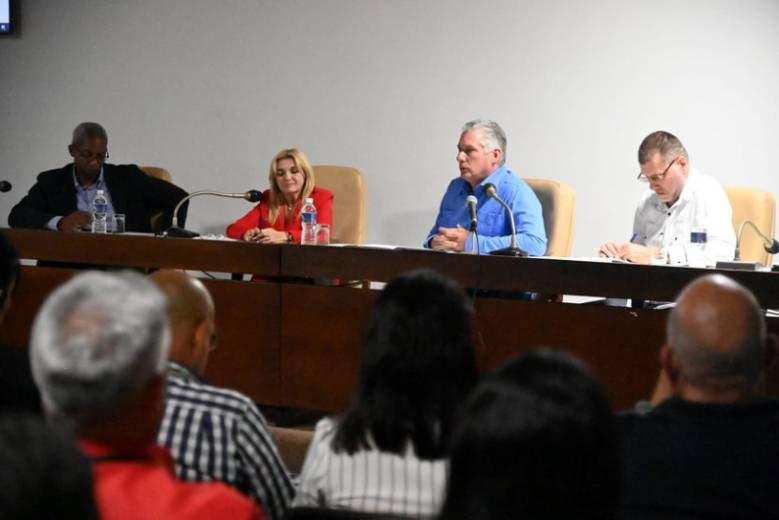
309 200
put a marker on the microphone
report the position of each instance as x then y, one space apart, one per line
769 244
175 231
513 250
5 186
471 202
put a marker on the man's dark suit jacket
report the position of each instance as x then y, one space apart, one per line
132 192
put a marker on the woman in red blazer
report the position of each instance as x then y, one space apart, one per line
276 219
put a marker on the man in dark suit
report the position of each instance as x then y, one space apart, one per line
61 198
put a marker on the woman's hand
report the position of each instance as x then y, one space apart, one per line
272 236
252 235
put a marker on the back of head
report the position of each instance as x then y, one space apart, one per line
717 334
417 366
9 271
43 474
85 132
190 309
96 342
493 135
536 439
662 142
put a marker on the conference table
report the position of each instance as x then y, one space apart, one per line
293 339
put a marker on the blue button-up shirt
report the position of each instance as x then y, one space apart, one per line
84 197
494 227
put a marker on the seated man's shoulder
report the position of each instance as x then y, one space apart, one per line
205 500
126 169
224 399
55 174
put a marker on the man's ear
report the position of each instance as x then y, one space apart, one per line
202 338
497 153
70 150
668 364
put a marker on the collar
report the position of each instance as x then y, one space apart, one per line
179 371
98 451
494 178
98 185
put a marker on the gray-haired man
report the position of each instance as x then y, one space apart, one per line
481 156
98 352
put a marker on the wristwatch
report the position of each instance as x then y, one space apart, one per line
289 237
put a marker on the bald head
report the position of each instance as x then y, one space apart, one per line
717 333
191 315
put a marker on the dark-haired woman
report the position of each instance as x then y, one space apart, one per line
388 453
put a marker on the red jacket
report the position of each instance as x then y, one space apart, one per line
142 484
258 216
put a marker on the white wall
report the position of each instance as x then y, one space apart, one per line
212 89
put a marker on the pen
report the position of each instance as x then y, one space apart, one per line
633 237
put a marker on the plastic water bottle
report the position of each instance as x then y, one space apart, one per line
308 217
99 213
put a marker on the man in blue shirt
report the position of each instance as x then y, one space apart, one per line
481 157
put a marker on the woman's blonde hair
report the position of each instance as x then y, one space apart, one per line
276 197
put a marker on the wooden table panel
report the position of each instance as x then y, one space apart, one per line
249 352
321 330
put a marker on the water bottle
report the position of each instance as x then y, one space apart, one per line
308 218
99 213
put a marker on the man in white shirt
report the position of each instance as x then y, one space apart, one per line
681 199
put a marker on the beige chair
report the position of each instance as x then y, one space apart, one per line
350 216
162 174
293 445
558 201
759 206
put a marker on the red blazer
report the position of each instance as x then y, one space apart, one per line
258 217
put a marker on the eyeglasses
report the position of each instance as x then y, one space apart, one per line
86 154
658 177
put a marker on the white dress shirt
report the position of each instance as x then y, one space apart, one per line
702 204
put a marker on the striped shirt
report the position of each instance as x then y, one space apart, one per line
219 434
370 481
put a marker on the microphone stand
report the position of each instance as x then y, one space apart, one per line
512 250
770 245
177 232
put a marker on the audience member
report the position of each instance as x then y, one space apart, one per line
43 474
61 198
481 156
536 440
276 219
709 450
679 200
17 389
98 350
388 453
204 423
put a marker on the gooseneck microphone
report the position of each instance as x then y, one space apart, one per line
175 231
769 244
471 201
513 250
5 186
